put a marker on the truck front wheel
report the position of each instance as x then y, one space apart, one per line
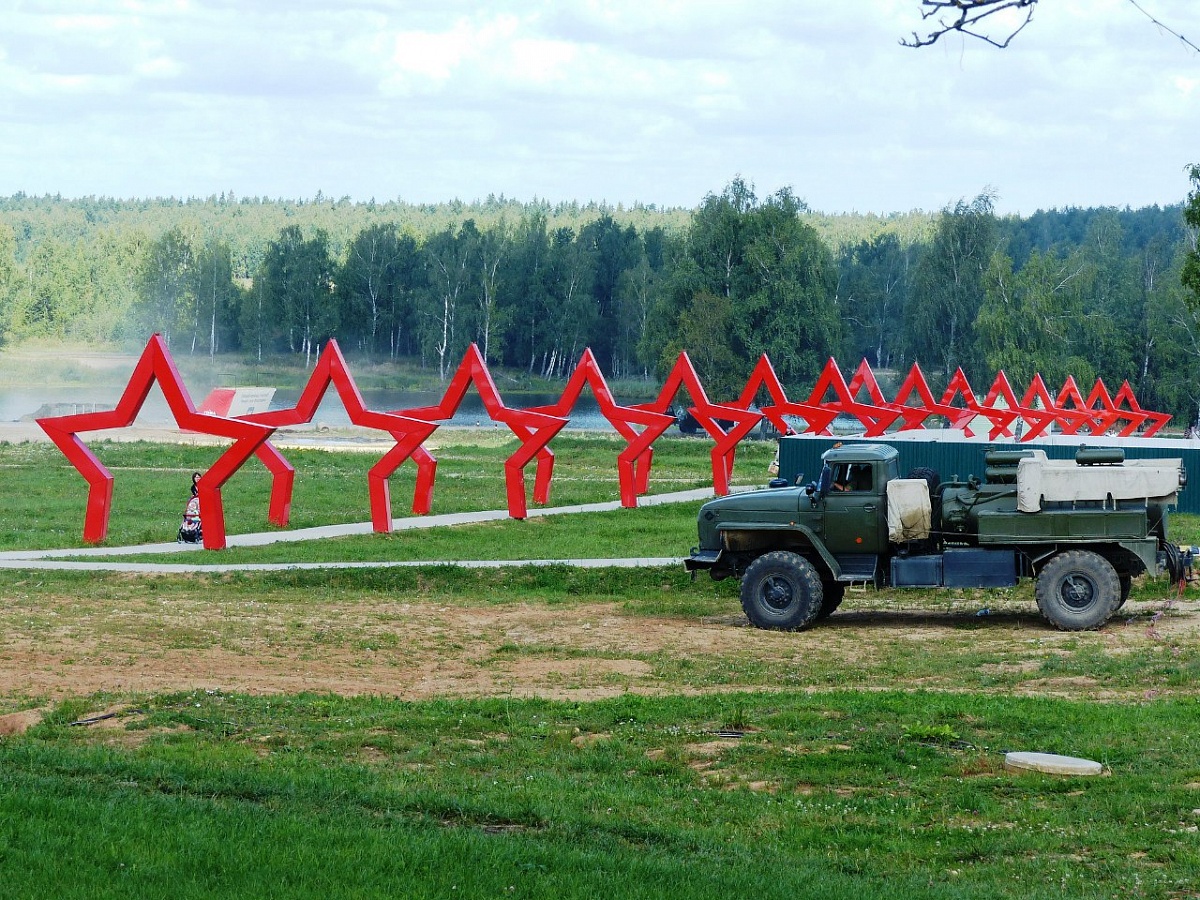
833 592
1078 590
781 590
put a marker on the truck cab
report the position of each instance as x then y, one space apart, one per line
839 519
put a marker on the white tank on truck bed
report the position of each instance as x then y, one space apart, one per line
1042 480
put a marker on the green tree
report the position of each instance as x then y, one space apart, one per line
636 295
56 290
1028 322
786 304
216 297
165 283
8 276
571 308
296 286
614 250
703 331
873 288
1112 315
376 284
776 274
524 291
1190 274
494 245
948 286
450 264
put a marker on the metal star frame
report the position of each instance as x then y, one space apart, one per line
409 434
534 429
155 364
727 423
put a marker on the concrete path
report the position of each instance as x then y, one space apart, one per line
100 559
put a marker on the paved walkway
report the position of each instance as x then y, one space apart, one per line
101 559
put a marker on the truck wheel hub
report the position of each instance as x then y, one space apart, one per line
1078 591
777 592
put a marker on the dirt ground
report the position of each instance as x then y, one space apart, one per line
380 646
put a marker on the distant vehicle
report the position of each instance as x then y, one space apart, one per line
1083 529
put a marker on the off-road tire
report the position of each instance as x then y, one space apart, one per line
1078 590
1126 587
834 592
781 591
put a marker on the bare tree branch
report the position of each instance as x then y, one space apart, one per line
964 15
1165 28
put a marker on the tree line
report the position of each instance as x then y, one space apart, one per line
1084 292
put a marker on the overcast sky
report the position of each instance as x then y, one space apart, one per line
620 101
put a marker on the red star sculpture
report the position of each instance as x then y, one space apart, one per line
1077 415
817 419
632 470
961 416
874 419
534 429
683 376
154 364
1003 417
885 413
408 433
1153 420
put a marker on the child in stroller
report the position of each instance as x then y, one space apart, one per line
189 531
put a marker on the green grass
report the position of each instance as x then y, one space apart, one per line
46 497
816 795
861 759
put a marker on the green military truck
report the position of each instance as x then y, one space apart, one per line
1083 528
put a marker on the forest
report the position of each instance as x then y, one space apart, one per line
1083 292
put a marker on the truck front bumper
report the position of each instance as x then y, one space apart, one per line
703 559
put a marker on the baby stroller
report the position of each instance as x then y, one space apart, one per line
190 531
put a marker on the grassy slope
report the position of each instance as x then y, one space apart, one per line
824 795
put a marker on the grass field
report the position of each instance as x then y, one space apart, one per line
557 732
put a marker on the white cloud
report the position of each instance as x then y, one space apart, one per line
620 100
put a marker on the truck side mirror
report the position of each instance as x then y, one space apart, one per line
824 482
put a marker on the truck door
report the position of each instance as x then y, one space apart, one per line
855 517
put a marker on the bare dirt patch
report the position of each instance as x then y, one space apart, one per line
56 647
20 722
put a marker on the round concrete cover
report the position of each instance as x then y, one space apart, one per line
1051 763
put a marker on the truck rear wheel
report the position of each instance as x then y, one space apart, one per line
1126 588
782 591
1078 590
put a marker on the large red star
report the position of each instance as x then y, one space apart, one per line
817 418
1003 417
534 429
632 470
1152 421
155 364
683 376
408 433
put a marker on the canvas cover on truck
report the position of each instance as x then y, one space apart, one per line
1041 480
909 512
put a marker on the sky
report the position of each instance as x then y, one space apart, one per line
622 102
